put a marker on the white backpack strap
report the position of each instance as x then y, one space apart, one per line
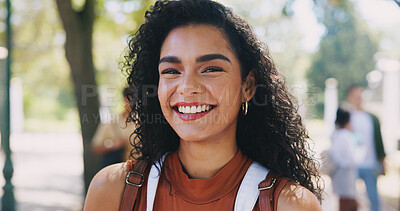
247 195
152 183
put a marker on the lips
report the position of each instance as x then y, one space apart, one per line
192 111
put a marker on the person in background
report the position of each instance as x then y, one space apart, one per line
111 140
343 153
367 128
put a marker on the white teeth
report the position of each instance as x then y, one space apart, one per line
193 109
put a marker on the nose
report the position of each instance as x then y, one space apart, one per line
189 84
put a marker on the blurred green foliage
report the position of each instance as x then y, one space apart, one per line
281 33
3 14
346 51
39 57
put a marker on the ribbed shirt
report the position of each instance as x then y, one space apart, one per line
176 191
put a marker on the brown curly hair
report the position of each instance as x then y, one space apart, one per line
272 133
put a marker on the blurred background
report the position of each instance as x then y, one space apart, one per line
60 60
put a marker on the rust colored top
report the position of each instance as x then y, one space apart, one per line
183 193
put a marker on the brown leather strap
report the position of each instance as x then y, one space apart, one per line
133 183
270 188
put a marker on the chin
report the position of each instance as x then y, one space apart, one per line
190 133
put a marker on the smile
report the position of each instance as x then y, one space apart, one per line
192 111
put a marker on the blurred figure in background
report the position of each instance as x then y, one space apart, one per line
343 153
111 140
367 128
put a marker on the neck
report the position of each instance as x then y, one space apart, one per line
358 107
203 159
347 126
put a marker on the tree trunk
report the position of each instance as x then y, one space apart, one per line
78 26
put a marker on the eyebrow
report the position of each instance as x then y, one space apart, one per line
210 57
170 59
204 58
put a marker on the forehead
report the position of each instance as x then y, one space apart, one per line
195 39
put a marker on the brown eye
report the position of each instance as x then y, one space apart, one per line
170 71
213 69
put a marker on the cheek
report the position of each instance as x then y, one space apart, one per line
228 98
229 95
229 103
163 93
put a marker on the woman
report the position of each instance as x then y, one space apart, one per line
343 152
111 140
208 97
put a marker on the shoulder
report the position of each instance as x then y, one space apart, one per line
371 114
375 119
107 187
338 136
297 197
102 130
347 134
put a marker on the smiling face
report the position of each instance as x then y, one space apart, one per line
200 90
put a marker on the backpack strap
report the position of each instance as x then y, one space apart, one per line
248 192
152 183
270 188
134 180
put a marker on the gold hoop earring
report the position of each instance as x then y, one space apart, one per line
245 107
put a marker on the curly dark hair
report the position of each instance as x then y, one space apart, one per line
272 133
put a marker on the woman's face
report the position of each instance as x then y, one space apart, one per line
200 84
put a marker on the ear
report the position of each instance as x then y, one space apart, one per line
248 87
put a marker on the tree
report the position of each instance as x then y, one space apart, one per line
346 51
78 26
